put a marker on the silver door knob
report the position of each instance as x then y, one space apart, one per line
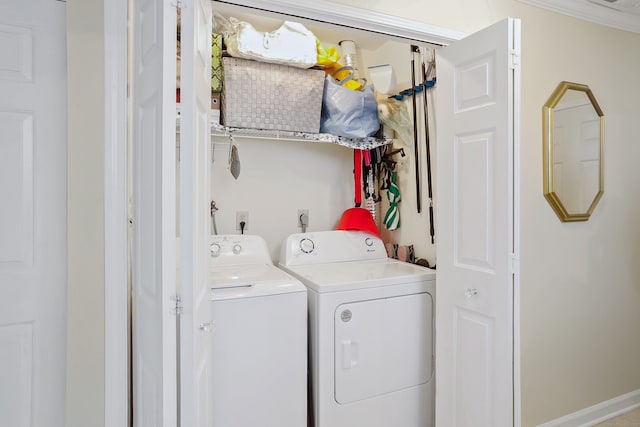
206 327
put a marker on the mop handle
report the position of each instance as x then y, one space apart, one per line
414 49
428 154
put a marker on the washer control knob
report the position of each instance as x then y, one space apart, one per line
307 246
368 241
237 249
215 249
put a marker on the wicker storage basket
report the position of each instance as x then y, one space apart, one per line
261 95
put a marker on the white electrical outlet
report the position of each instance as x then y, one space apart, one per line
299 218
240 217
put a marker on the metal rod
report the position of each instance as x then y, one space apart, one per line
425 74
414 49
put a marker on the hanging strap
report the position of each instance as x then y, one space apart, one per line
357 177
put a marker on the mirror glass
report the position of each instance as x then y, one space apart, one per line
573 141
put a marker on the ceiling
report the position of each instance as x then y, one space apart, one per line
621 14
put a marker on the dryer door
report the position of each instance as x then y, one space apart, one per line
382 346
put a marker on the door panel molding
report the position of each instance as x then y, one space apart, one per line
16 189
16 370
16 53
472 207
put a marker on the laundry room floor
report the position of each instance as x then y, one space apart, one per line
630 419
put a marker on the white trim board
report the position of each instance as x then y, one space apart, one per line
598 413
116 297
583 9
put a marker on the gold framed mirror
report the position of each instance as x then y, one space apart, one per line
573 134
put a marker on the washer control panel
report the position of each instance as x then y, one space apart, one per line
238 249
331 246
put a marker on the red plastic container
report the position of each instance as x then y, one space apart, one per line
358 219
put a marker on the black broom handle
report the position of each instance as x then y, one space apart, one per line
414 49
428 148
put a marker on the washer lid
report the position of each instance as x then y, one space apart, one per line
346 276
247 281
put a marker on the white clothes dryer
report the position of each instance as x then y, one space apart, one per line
259 337
371 330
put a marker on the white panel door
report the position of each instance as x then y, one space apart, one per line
154 213
477 93
33 242
195 160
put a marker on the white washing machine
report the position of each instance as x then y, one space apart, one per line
371 331
259 337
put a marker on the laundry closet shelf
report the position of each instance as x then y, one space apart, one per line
357 143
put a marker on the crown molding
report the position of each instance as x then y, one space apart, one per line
352 17
592 12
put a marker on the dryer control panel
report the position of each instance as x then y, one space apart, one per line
331 246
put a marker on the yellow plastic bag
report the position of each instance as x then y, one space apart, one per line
328 57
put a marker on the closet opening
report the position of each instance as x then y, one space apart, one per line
318 176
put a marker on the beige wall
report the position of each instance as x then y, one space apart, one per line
85 335
580 282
